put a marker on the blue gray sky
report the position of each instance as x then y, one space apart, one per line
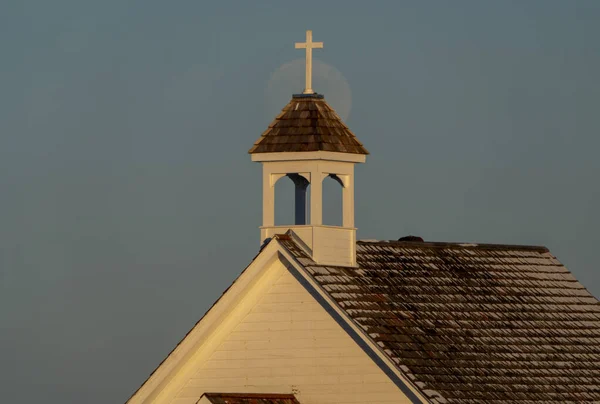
128 202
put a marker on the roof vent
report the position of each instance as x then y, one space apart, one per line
412 238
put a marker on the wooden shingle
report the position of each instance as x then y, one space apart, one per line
308 123
250 398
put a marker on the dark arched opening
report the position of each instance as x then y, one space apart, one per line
332 200
292 200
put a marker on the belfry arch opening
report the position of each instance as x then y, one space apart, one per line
333 188
292 200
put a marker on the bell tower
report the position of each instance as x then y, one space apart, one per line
308 142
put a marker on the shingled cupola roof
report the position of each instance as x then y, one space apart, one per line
307 123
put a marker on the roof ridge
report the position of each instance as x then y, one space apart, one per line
447 244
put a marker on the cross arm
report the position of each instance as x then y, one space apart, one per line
302 45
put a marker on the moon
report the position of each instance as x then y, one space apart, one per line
288 79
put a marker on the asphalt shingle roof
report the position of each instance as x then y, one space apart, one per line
472 323
308 123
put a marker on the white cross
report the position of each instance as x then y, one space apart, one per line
309 45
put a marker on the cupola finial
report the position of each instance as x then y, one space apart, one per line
309 45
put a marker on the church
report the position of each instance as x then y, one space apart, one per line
320 317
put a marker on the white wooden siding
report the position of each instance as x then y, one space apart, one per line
288 343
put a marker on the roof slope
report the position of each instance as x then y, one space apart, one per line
475 323
308 123
247 398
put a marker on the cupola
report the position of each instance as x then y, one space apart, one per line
308 142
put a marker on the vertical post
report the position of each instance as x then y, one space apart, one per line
268 198
348 201
316 196
300 184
